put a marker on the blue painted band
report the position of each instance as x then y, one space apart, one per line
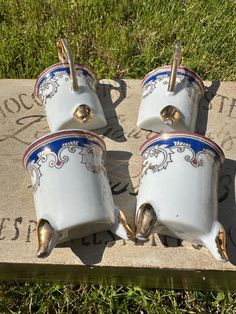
52 73
167 73
57 144
196 145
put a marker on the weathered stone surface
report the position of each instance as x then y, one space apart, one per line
22 120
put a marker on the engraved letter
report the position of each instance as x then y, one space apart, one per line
22 102
3 227
84 242
95 239
16 106
35 100
17 220
2 112
233 104
222 100
31 229
120 190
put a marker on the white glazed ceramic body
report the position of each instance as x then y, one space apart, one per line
180 181
188 91
54 89
71 189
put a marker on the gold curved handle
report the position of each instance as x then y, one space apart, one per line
65 55
174 67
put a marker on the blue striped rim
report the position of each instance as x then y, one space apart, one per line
181 69
52 73
197 144
167 73
56 145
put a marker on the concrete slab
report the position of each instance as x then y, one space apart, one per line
101 258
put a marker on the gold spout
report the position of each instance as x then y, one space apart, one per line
174 67
170 114
83 113
65 55
221 244
145 221
47 237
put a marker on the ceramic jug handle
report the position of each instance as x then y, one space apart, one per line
65 55
174 67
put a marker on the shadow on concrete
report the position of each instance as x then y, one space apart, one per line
117 165
90 249
204 107
227 209
111 95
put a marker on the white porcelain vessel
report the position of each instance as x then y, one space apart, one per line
178 190
162 110
72 194
67 108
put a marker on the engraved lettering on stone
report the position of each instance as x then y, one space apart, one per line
31 230
18 220
232 106
3 226
13 106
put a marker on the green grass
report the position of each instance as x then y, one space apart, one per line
124 38
58 298
117 39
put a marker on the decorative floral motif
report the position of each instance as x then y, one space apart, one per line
188 84
192 156
35 173
158 157
151 85
91 158
89 80
49 87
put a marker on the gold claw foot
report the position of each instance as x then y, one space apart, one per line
123 221
83 113
221 244
47 238
145 221
170 115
